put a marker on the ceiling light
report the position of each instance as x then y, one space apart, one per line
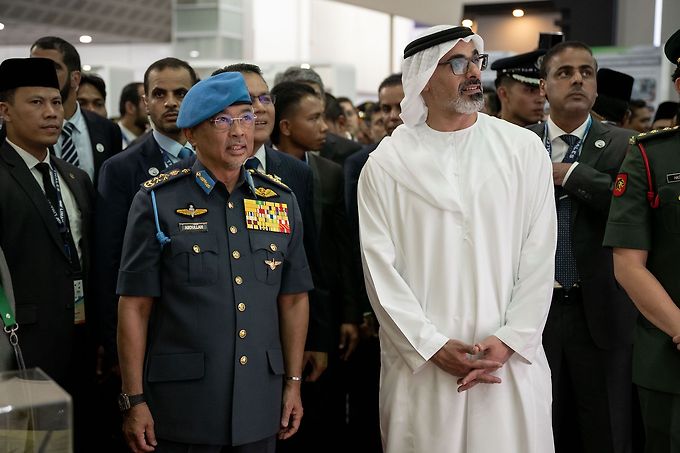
194 54
305 66
467 23
518 12
2 26
87 67
86 39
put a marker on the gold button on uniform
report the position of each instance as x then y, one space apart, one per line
196 248
230 205
273 247
236 254
243 360
242 333
241 307
238 279
233 229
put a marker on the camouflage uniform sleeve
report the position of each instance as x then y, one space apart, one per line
629 223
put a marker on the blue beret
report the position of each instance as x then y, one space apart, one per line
210 96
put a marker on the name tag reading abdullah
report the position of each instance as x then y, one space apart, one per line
267 216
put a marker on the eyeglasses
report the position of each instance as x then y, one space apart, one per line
461 65
225 122
265 99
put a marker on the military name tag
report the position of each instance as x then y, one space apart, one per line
267 216
197 227
673 177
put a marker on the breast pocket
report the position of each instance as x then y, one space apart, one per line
669 197
194 256
269 253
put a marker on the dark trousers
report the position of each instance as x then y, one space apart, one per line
267 445
661 416
591 386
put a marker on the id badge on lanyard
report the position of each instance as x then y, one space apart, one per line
79 301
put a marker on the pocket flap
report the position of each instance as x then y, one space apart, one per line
275 357
193 243
176 367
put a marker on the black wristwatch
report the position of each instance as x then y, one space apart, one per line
125 401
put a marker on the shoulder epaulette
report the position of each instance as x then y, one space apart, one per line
270 178
164 178
656 133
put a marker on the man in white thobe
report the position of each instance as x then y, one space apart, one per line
458 234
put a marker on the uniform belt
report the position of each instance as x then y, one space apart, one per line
565 296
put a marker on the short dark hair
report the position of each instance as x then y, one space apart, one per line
342 99
65 48
559 48
169 62
637 104
130 93
333 110
288 96
240 67
391 80
7 95
302 75
95 81
676 74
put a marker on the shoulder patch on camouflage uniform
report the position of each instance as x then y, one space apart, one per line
165 177
273 179
656 133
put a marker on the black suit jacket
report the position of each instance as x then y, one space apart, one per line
105 137
339 148
609 312
119 181
334 242
42 275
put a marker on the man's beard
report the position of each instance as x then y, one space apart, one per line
468 104
141 121
66 89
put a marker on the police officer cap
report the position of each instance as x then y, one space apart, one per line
613 94
28 72
210 96
672 48
523 67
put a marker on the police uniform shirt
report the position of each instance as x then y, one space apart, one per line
213 341
634 224
81 139
72 210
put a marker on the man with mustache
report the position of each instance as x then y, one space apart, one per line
213 282
86 139
457 226
588 334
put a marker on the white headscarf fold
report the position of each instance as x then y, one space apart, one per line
418 69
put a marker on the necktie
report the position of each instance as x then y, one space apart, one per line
52 197
184 153
68 149
565 264
252 164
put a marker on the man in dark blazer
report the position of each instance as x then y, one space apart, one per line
94 138
45 210
588 335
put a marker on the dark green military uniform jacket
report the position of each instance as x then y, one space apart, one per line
652 223
214 365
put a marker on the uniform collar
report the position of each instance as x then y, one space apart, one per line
207 182
169 145
78 119
554 131
27 157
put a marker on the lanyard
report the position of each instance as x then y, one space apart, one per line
167 160
6 311
59 212
575 151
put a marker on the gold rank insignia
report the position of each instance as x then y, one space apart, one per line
273 264
267 216
191 211
265 192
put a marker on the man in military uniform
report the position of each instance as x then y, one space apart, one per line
644 229
517 87
213 282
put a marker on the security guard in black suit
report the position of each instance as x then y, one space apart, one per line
214 284
644 229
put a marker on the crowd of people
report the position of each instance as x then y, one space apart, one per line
233 267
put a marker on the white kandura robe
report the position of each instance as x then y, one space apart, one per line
458 234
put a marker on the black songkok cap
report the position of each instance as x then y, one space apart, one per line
672 48
613 94
28 72
523 67
425 42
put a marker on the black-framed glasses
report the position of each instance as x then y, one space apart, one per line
265 99
461 65
225 122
